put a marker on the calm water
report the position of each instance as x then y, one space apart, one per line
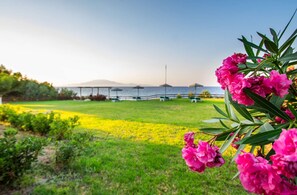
148 91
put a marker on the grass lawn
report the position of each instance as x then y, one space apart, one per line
137 150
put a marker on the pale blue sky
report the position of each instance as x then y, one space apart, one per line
130 41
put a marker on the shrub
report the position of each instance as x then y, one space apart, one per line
16 156
178 96
205 94
191 95
5 112
68 150
98 98
22 121
41 122
65 153
62 128
25 120
66 94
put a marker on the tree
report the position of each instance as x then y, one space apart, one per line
7 83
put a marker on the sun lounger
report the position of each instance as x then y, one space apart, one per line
116 99
162 98
195 99
137 98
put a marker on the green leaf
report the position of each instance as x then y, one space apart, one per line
249 50
220 111
266 127
289 57
236 175
213 131
227 103
263 104
241 109
282 126
285 66
244 128
242 146
252 45
277 101
252 65
287 44
287 25
292 35
288 51
214 120
292 63
228 142
274 35
262 36
270 46
229 109
292 110
241 66
223 124
260 45
261 138
252 149
265 64
223 136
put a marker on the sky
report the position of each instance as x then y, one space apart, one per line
131 41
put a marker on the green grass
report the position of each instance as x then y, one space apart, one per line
177 112
137 150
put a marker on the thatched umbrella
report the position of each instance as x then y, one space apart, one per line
138 87
116 90
165 86
195 85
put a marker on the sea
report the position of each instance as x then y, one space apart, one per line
146 92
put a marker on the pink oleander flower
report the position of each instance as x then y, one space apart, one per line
229 62
286 145
286 188
236 90
257 175
218 159
225 75
239 58
255 84
259 86
282 121
189 139
245 161
229 69
284 167
279 83
205 152
192 161
202 155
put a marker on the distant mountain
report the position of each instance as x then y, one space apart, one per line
102 83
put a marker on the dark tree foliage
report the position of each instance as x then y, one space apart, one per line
16 87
